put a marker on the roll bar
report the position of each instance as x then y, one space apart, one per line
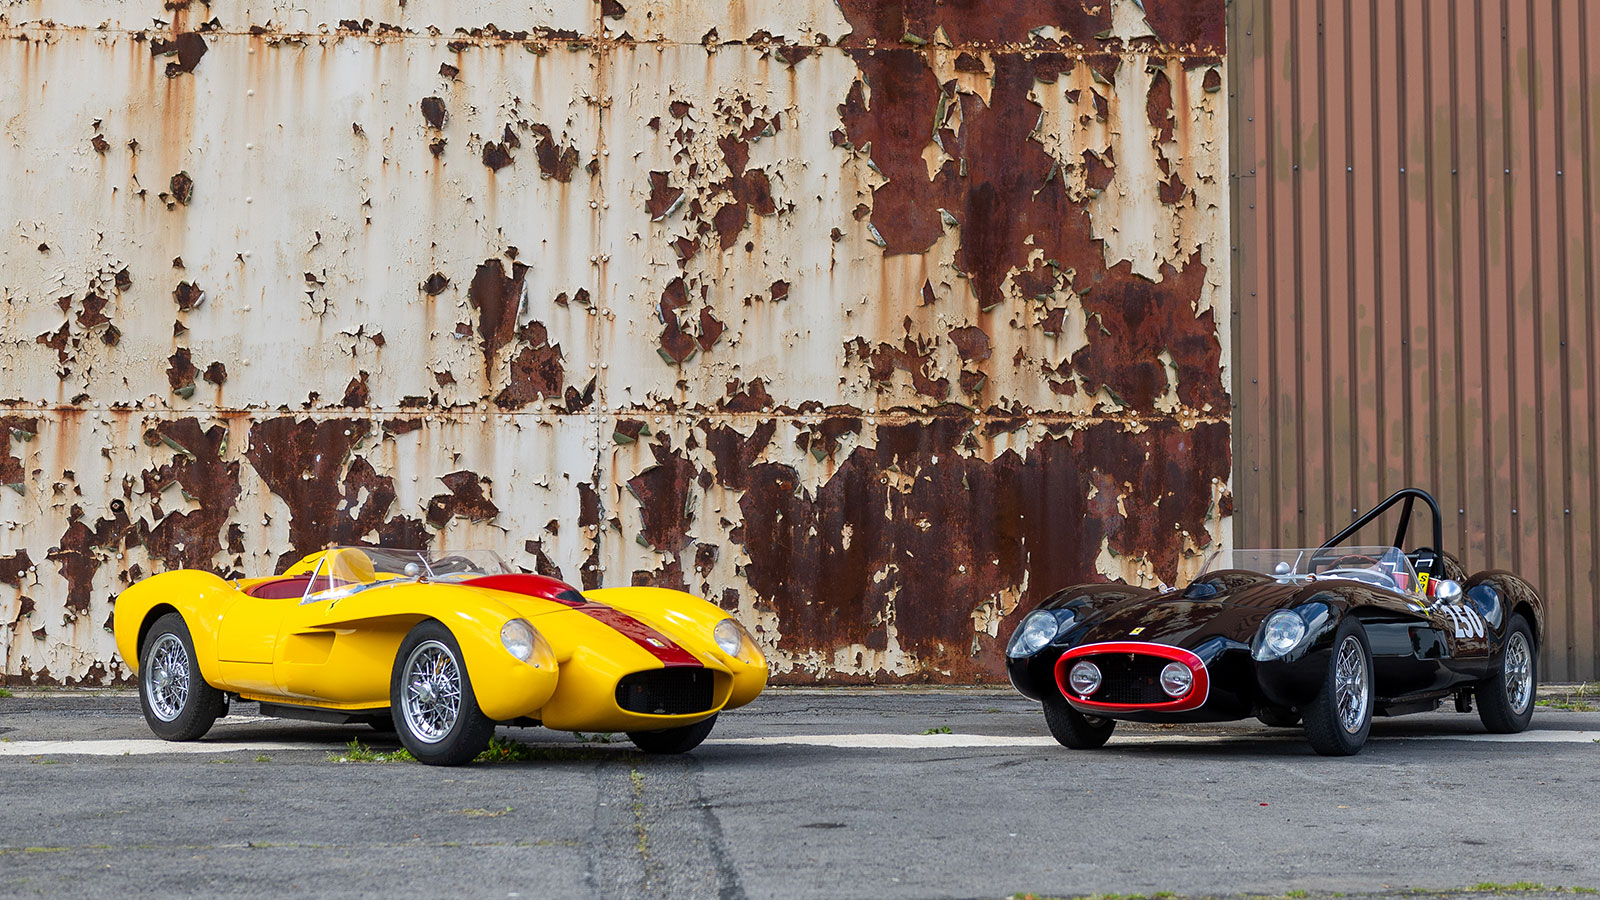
1410 496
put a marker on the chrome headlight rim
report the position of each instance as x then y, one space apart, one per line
1037 630
1177 680
1084 678
732 638
1283 632
519 639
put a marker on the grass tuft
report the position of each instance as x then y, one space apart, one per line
5 694
942 729
357 752
515 751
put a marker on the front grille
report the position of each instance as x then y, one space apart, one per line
666 692
1129 678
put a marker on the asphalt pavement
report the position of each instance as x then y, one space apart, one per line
847 793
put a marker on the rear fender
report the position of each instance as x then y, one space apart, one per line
199 597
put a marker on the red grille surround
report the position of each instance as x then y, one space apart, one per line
1193 700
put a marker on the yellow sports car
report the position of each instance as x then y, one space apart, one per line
444 648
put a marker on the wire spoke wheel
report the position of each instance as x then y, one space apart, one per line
167 677
432 685
1350 684
178 703
1518 673
1340 718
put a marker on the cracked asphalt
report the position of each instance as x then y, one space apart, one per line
868 807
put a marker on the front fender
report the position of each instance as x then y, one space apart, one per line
689 621
372 624
1503 594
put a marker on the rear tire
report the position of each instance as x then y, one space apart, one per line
1505 699
1339 720
673 740
1073 729
178 704
435 711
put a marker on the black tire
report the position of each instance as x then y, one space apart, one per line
1506 698
1339 720
673 740
1278 717
1073 729
178 704
428 675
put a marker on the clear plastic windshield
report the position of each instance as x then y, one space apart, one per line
1385 567
343 571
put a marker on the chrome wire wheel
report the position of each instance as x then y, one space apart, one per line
166 677
1518 673
1350 685
431 681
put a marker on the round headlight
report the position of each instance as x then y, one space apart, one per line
1283 631
1084 678
1176 679
1037 629
729 635
517 636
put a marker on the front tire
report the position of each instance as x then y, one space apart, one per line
1505 699
178 703
1073 729
1339 720
673 740
435 711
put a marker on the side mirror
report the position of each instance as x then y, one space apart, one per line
1447 591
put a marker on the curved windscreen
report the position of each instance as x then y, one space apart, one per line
1385 567
343 571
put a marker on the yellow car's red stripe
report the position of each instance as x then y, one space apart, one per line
654 642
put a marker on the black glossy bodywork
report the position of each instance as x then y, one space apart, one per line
1422 650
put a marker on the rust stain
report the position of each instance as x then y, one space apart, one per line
466 498
333 494
496 296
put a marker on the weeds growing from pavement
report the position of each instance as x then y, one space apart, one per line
356 751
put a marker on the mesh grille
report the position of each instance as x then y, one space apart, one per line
666 692
1130 678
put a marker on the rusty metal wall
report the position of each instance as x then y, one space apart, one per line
869 321
1415 196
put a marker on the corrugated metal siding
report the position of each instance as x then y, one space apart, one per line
1415 190
873 322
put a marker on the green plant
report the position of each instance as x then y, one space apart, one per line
5 694
262 757
356 751
942 729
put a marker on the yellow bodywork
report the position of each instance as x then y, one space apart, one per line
339 653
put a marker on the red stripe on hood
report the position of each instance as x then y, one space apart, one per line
654 642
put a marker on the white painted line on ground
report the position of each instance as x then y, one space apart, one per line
150 747
948 741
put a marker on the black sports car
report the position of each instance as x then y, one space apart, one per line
1330 636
